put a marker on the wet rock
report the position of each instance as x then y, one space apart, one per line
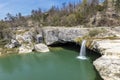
41 48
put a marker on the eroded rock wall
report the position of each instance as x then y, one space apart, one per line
109 64
63 34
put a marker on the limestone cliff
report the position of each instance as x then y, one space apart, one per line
109 64
62 34
106 42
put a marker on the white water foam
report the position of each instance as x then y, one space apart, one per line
82 54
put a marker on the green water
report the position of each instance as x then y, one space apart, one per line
59 64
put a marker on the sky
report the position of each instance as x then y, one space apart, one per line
26 6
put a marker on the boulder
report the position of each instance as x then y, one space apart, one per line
26 48
24 37
41 48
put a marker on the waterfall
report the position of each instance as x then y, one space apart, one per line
82 54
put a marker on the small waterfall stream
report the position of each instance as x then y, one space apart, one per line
82 54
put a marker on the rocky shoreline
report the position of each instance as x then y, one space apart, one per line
109 64
107 43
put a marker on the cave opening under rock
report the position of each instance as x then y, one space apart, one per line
76 47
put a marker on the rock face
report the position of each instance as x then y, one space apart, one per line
62 34
109 64
26 48
39 38
25 38
41 48
109 68
13 43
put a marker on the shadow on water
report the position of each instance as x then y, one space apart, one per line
91 55
69 45
76 47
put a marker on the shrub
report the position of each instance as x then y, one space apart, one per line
94 32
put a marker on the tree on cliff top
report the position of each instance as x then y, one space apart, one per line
71 14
